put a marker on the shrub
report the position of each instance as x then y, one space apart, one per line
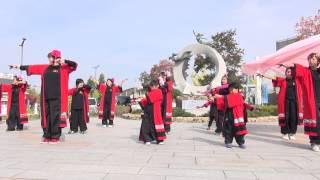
137 111
178 112
120 110
205 115
176 93
267 110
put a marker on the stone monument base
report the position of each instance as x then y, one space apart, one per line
190 103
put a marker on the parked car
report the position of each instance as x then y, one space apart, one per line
93 105
123 100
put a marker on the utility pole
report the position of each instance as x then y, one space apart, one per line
95 70
21 45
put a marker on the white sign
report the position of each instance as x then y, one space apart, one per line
192 104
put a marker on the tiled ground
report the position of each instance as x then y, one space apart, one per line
190 153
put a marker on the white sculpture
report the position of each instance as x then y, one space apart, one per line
184 55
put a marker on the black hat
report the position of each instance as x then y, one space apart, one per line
234 85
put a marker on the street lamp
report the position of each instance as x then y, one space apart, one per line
95 70
21 45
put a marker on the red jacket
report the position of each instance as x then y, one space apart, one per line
22 101
115 90
155 98
86 109
235 102
282 84
309 105
65 70
169 90
0 103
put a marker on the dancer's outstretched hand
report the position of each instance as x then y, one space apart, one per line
14 66
217 96
123 81
286 65
259 74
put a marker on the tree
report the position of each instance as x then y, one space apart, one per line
308 26
176 93
164 65
92 85
226 44
102 78
144 78
33 96
95 93
205 70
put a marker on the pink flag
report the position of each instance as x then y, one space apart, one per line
293 53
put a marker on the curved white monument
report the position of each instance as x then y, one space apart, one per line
178 71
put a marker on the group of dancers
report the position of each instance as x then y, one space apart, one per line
229 111
298 103
54 99
157 110
299 100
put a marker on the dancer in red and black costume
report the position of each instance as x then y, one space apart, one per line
290 110
109 92
212 111
166 87
152 126
234 124
16 106
219 114
54 93
79 107
310 81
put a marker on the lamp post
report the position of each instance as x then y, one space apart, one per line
21 45
95 70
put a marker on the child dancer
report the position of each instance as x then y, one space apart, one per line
109 92
79 107
212 111
16 107
234 125
152 126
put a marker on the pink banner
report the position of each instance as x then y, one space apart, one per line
293 53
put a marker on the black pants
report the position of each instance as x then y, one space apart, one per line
219 121
107 122
147 130
167 127
316 139
107 119
77 120
291 117
13 121
211 118
230 133
53 129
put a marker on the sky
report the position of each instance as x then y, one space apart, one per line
127 37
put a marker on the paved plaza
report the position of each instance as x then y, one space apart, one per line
190 153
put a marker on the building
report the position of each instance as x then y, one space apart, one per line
285 42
